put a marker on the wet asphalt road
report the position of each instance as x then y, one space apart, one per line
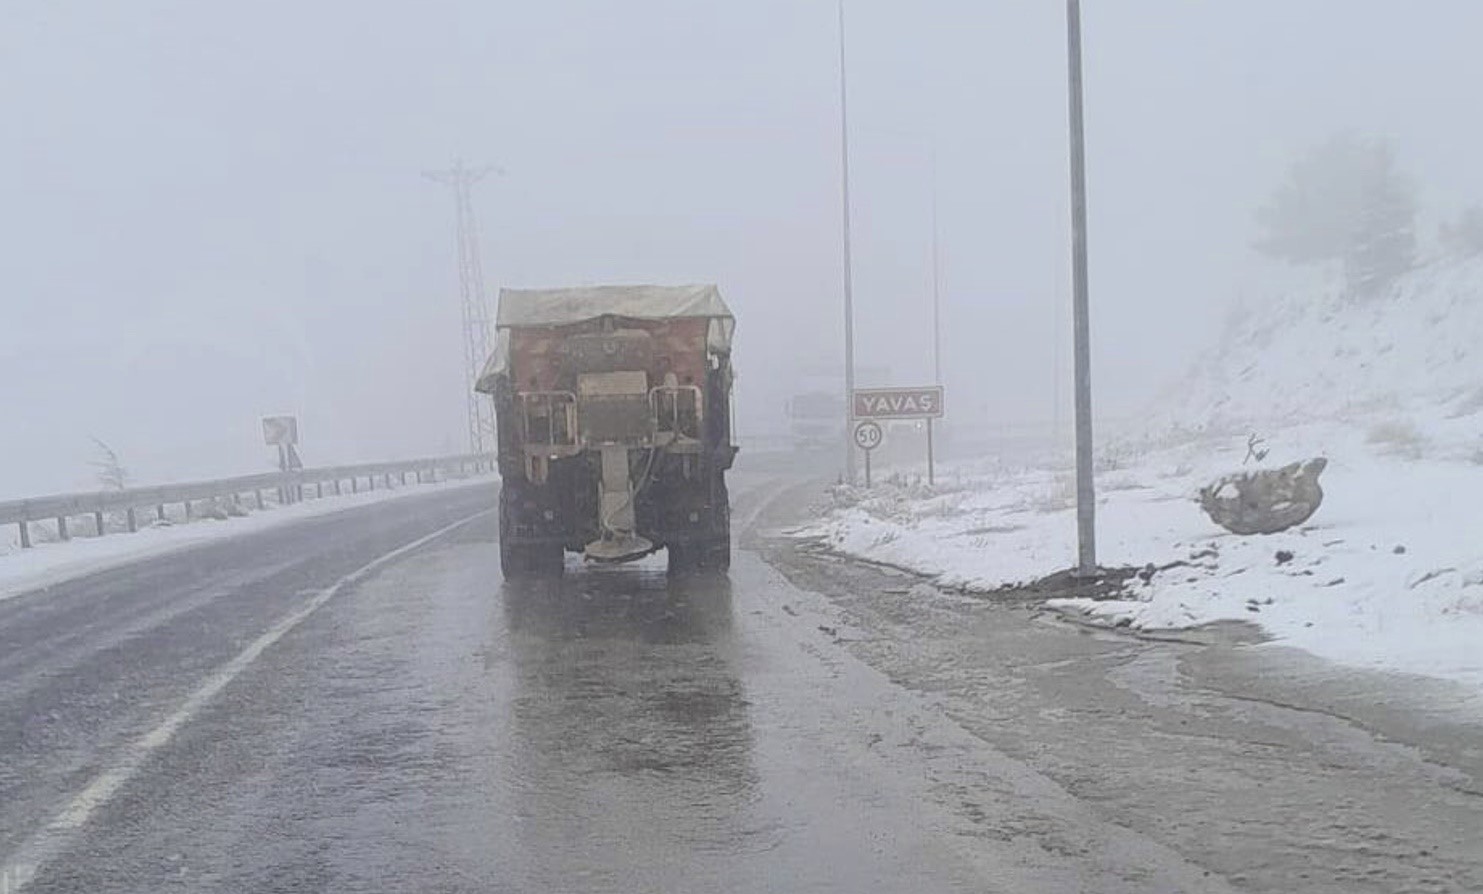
242 718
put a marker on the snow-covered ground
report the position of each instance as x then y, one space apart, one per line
24 570
1388 573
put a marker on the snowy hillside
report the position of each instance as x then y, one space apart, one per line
1410 362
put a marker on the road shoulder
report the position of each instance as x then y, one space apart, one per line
1263 763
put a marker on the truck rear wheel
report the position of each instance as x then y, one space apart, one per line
710 553
524 560
700 557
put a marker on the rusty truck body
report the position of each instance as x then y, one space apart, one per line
613 410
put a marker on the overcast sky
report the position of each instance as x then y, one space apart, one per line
211 211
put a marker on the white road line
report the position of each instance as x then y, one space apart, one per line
775 487
20 869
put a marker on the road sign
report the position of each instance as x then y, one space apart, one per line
897 403
868 435
280 431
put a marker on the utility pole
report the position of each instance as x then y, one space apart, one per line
936 321
460 180
1086 508
936 286
849 300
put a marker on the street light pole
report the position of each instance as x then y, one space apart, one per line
849 301
936 286
936 322
1086 519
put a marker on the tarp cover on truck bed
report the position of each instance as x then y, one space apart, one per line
520 308
536 308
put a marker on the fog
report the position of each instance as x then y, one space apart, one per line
213 212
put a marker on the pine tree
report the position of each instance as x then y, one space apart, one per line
1344 202
1464 238
1383 245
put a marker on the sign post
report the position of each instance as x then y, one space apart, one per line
283 432
868 436
931 472
898 403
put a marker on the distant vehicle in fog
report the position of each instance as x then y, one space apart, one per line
816 410
816 419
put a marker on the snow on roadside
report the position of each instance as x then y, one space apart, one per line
1388 574
22 571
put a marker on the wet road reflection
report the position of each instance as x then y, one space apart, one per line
630 729
436 729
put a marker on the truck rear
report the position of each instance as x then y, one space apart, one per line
613 409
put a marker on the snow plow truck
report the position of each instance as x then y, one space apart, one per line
613 411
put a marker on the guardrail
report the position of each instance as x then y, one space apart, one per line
61 507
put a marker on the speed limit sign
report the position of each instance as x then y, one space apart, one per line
868 435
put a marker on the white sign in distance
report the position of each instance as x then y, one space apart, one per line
897 403
868 435
280 430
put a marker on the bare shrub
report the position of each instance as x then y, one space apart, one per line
1397 438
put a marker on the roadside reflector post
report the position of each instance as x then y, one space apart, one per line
25 534
98 522
133 520
62 528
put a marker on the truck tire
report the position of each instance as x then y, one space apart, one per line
525 560
518 561
710 554
715 557
700 557
682 558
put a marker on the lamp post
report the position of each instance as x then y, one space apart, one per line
849 300
1086 497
